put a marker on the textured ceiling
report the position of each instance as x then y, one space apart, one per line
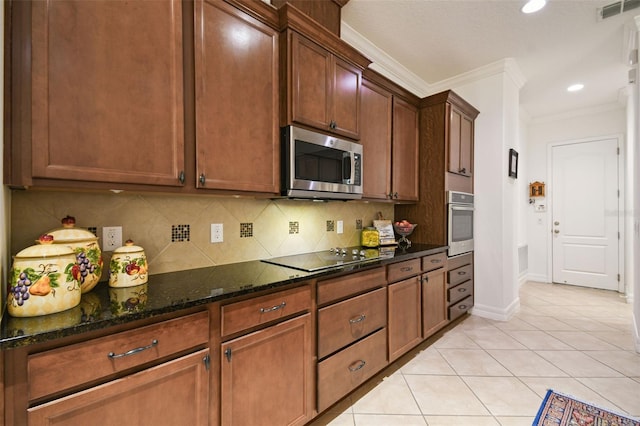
562 44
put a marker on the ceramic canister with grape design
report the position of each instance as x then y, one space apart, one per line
128 266
85 245
42 281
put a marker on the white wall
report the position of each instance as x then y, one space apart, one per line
496 194
579 125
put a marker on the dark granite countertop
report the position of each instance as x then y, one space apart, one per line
105 307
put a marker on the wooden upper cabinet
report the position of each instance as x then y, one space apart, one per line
405 151
237 100
376 104
104 102
324 90
460 142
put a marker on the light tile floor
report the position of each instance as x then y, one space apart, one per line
571 339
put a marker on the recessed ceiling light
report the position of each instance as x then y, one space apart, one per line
533 6
575 87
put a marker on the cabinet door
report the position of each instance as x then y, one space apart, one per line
310 84
107 91
237 100
375 137
405 151
405 323
346 99
173 393
324 90
460 143
267 376
434 307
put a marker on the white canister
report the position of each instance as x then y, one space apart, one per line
128 266
42 281
85 245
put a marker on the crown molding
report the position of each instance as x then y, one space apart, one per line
383 63
598 109
398 73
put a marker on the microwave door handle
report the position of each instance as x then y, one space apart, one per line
347 166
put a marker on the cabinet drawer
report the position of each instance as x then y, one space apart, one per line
458 275
345 322
260 310
434 261
460 260
64 368
460 308
346 370
460 291
341 287
401 270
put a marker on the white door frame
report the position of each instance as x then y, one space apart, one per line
549 201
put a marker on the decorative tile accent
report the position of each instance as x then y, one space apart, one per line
246 230
180 233
93 230
331 225
294 227
359 224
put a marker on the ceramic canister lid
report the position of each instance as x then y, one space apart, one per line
70 234
44 248
128 247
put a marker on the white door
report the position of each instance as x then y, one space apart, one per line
585 213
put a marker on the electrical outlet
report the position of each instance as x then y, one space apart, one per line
216 233
339 227
111 237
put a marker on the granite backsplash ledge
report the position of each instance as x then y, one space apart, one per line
175 231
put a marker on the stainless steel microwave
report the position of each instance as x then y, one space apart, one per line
318 166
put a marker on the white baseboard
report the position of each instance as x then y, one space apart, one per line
492 313
537 277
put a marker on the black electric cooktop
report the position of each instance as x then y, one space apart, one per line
335 257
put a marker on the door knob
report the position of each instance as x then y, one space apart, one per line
556 223
556 231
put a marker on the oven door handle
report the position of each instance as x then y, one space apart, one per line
462 207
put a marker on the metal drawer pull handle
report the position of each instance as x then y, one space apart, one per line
461 307
112 355
436 260
407 269
462 273
353 367
273 308
359 319
462 290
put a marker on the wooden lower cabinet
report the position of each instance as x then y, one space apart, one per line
343 372
267 376
434 309
405 322
172 393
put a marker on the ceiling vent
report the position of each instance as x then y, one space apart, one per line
617 8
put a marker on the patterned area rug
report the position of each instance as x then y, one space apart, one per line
562 410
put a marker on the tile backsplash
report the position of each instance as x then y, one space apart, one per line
175 231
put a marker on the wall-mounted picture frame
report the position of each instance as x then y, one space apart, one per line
513 163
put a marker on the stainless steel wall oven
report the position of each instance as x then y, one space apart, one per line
460 222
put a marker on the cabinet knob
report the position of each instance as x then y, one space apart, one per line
181 177
556 231
333 125
202 179
462 170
